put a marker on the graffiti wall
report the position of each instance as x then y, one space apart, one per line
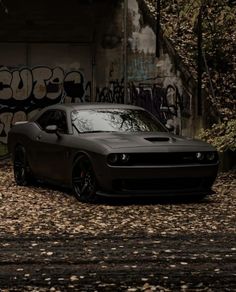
24 91
154 83
40 84
165 102
35 75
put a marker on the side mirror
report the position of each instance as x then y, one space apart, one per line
170 128
51 129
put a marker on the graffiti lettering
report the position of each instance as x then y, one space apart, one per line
5 84
73 85
24 91
21 84
114 92
39 83
164 102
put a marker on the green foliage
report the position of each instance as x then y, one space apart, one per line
222 136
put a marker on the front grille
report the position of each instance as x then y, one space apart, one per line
177 158
165 184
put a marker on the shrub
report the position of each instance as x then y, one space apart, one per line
222 135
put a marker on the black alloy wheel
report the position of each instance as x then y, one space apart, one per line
84 180
21 167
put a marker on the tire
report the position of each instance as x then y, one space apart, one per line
21 168
84 181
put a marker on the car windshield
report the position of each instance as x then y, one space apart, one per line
115 120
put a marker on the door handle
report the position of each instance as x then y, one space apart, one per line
38 137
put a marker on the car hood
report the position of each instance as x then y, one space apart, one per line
167 141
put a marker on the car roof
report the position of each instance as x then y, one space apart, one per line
68 107
89 105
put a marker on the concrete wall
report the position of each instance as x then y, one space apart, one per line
75 52
153 83
36 75
47 55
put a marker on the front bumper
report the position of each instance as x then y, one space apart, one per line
171 180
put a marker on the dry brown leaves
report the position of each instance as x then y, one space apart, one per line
46 210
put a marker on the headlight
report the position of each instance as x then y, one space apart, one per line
199 156
118 158
124 157
112 158
210 156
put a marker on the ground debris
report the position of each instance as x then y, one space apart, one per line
51 242
43 209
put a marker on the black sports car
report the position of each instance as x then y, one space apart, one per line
110 150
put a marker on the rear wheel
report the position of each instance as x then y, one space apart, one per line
21 168
84 180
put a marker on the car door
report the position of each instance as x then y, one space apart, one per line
49 150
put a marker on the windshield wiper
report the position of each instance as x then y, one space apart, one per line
96 131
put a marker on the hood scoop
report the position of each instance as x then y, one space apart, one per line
158 139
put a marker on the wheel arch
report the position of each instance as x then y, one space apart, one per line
76 156
79 154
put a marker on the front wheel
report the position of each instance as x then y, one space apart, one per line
84 181
21 168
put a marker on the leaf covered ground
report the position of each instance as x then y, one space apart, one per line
43 209
51 242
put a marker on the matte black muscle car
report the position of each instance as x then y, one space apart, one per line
110 150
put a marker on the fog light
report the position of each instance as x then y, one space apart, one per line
199 156
124 157
112 158
210 156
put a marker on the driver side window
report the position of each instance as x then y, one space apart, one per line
53 117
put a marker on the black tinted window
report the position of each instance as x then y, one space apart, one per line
53 117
